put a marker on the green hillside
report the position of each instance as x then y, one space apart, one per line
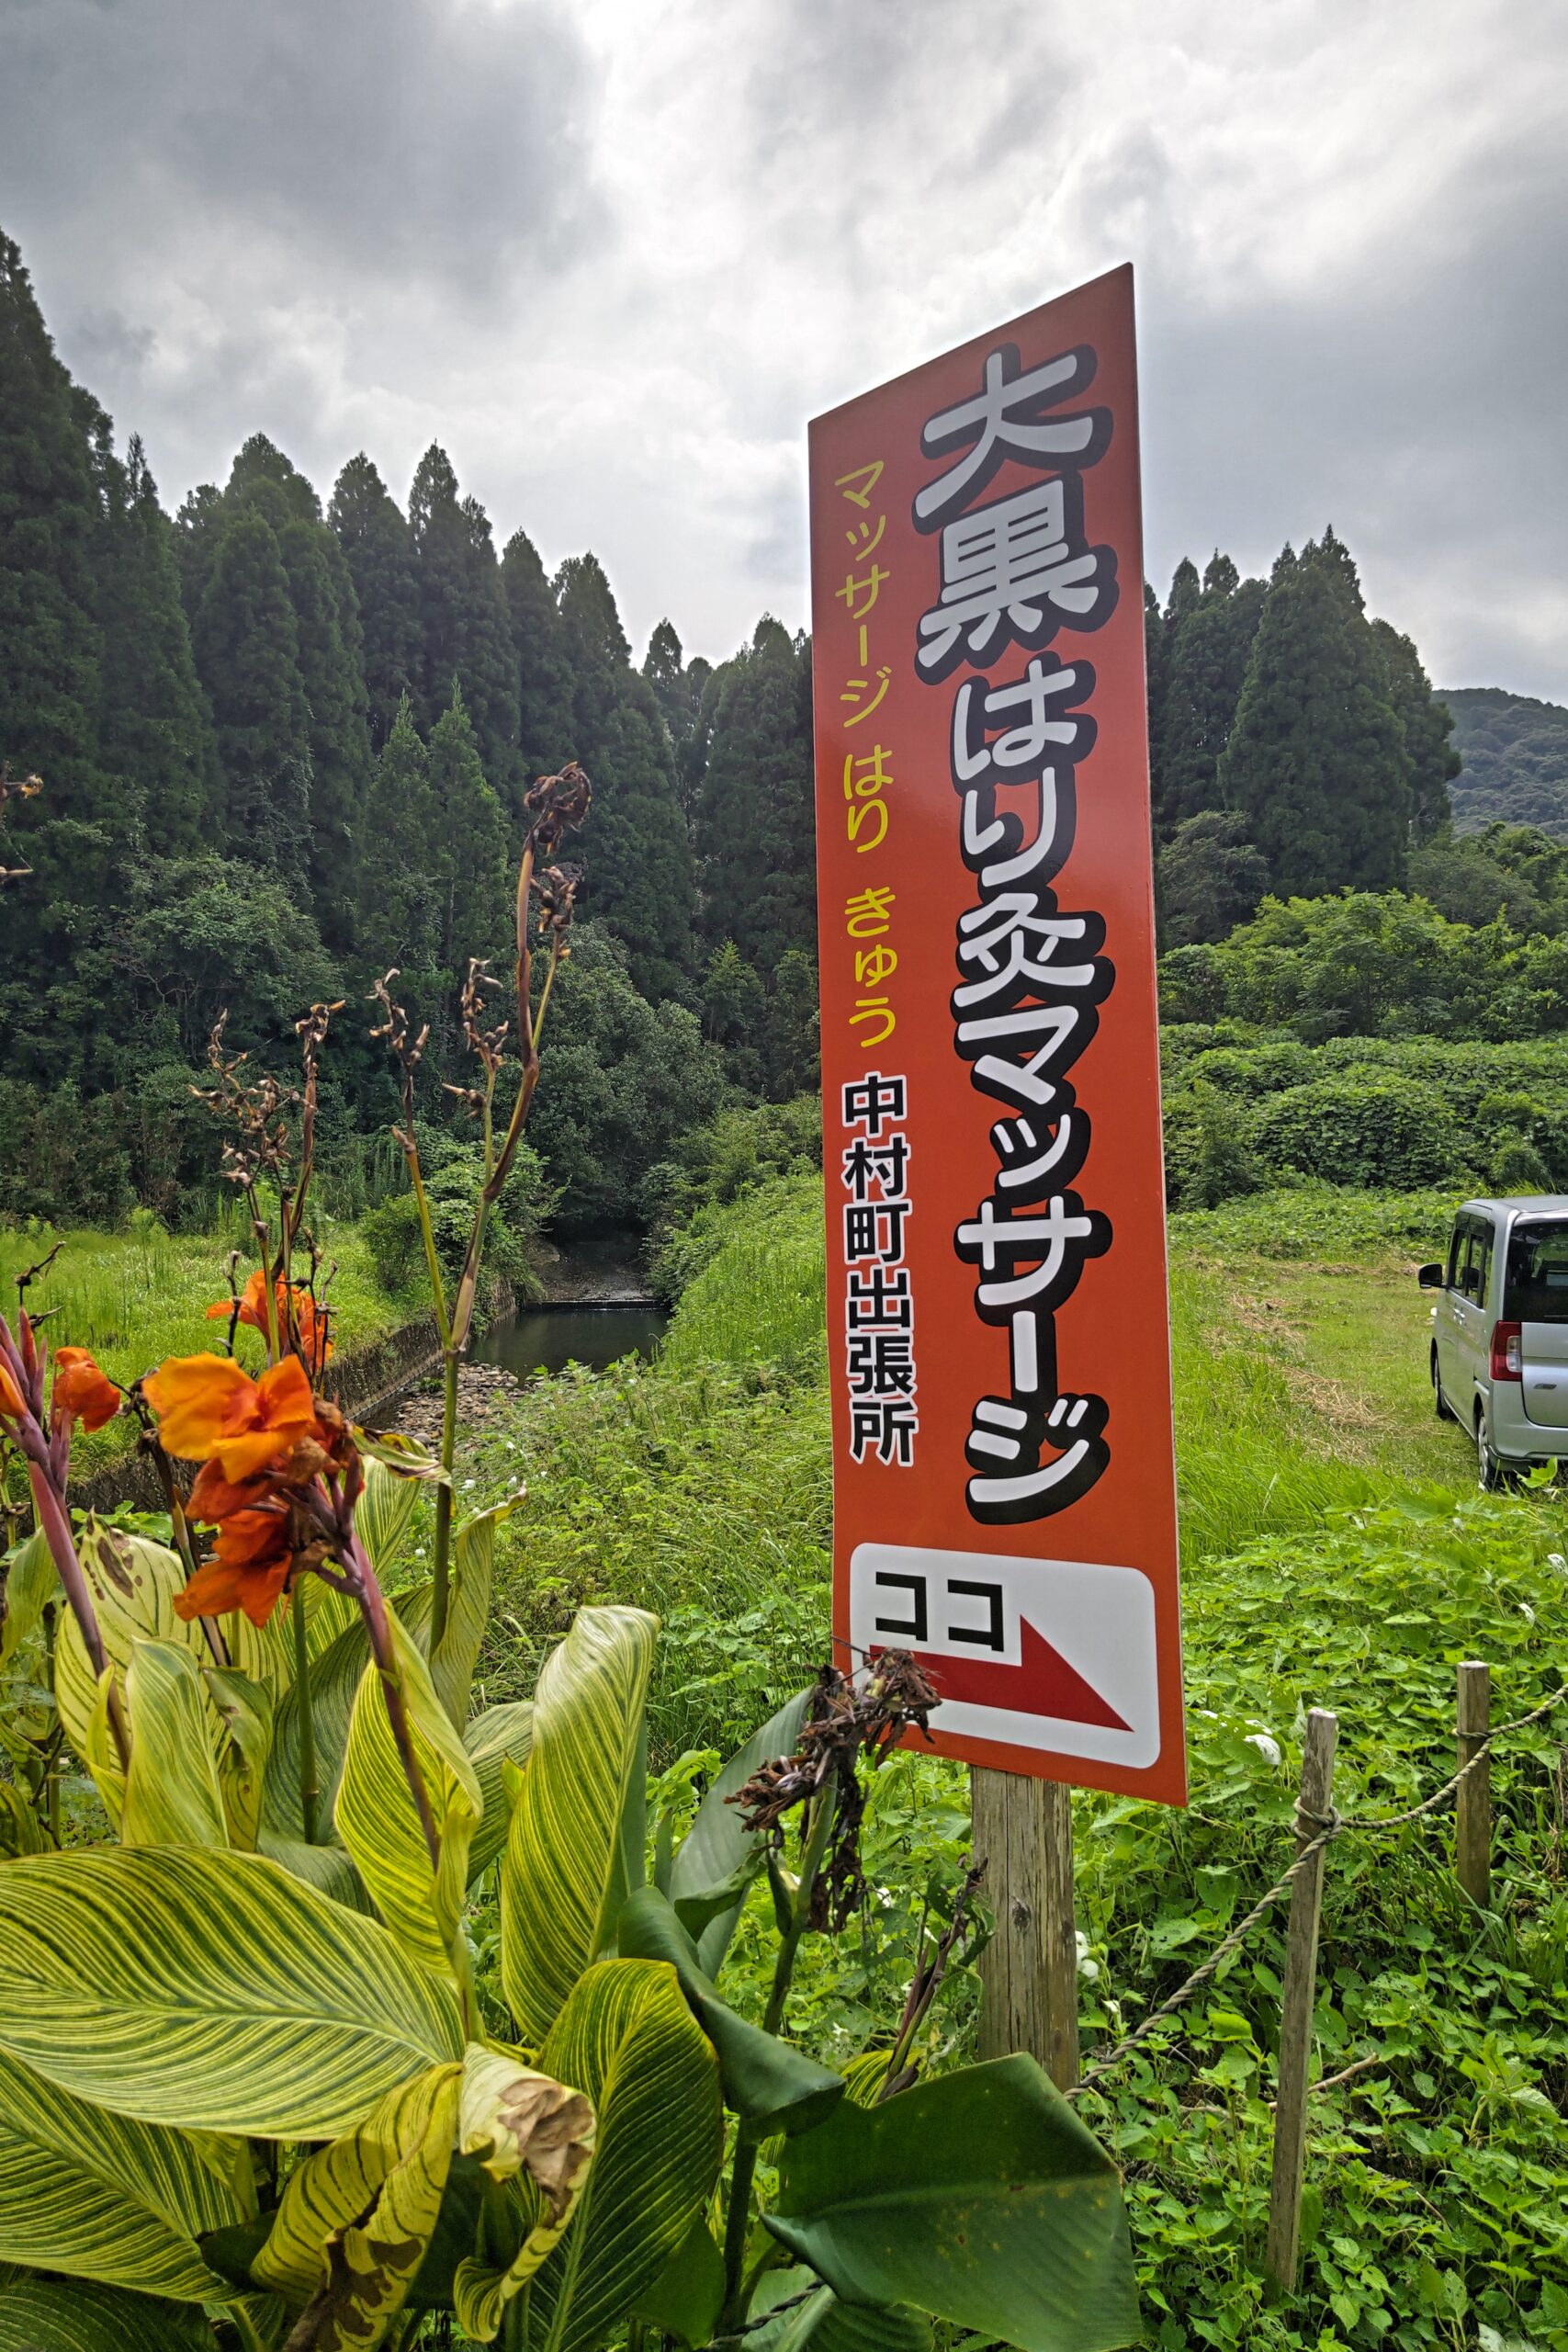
1514 755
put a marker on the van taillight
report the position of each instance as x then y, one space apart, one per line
1508 1352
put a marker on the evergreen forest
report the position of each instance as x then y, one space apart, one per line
284 732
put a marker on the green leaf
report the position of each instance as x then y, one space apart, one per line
357 2217
382 1514
335 1677
468 1610
172 1796
687 2296
133 1582
99 2197
211 1991
403 1454
629 2041
421 1900
21 1831
502 1736
719 1856
770 2084
978 2197
32 1583
519 2124
570 1859
827 2324
245 1707
46 2315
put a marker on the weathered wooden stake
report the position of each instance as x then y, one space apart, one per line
1472 1829
1023 1829
1283 2253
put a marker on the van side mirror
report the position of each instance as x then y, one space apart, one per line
1430 1277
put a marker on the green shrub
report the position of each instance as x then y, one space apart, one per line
1356 1132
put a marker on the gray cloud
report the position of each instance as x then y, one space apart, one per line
614 255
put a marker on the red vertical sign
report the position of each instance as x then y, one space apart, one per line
1004 1490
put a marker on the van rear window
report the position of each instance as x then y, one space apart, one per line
1537 1288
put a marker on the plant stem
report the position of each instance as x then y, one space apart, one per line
309 1787
58 1536
442 1577
737 2219
373 1606
51 1768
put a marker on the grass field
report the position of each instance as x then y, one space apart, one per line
1335 1553
137 1296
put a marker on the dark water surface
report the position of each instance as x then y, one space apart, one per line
545 1339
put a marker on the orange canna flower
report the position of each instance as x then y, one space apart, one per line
211 1405
82 1393
11 1405
249 1570
315 1345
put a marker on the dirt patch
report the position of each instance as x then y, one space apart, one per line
1355 1422
486 1391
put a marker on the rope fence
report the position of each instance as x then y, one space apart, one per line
1328 1827
1318 1823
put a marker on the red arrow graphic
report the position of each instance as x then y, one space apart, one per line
1043 1684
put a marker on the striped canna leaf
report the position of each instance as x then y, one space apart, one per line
382 1514
357 2217
57 2316
172 1796
211 1991
32 1583
502 1736
629 2041
456 1654
574 1848
133 1583
421 1900
99 2197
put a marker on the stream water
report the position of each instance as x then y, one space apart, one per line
547 1339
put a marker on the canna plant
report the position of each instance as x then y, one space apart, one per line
251 2098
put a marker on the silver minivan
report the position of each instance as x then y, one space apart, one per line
1500 1331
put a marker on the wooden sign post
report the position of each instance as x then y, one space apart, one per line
1004 1493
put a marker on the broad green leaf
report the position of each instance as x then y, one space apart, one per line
100 1748
569 1864
328 1867
829 2325
357 2217
502 1736
99 2197
50 2316
687 2296
520 2125
382 1514
404 1455
978 2197
32 1583
328 1614
172 1796
133 1582
718 1857
245 1707
335 1677
21 1831
629 2043
516 2120
420 1899
772 2085
211 1991
468 1611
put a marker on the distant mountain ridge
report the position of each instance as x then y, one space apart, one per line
1515 752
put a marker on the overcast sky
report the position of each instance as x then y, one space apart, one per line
614 255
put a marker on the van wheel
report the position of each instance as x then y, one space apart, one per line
1489 1468
1444 1411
